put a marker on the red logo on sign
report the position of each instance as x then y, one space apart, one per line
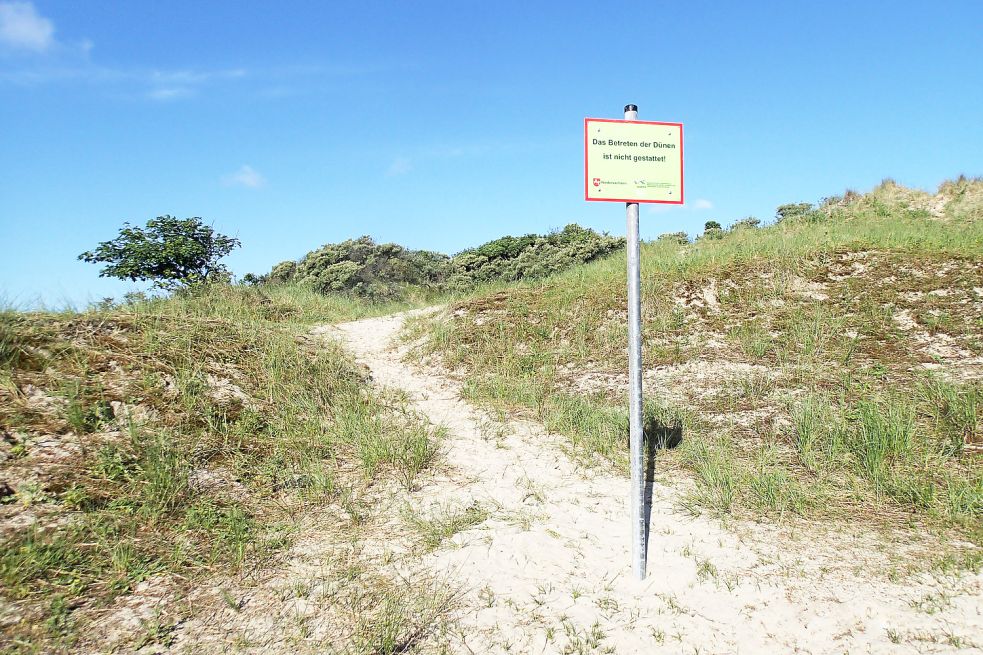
597 181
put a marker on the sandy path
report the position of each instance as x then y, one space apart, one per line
548 571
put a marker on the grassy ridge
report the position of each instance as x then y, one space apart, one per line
178 438
823 366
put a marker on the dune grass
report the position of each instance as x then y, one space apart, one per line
853 412
177 438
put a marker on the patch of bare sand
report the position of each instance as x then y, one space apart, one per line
952 361
677 383
808 289
548 571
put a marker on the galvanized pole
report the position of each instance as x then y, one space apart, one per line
635 436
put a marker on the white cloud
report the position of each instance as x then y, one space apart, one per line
246 176
23 28
196 76
170 93
173 85
702 203
399 166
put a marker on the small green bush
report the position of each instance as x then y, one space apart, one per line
792 210
674 237
746 223
712 230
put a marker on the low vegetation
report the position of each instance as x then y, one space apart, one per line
389 271
827 366
163 442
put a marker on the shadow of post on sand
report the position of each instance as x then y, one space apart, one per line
658 435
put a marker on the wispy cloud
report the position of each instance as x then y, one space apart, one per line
246 176
29 37
23 28
150 84
72 64
178 84
702 203
169 93
192 77
399 166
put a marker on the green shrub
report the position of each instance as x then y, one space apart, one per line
283 272
748 222
532 255
674 237
792 210
364 268
384 271
712 230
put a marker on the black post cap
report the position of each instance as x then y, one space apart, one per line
631 107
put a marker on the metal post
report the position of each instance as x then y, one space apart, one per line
635 436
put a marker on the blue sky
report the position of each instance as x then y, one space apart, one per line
294 124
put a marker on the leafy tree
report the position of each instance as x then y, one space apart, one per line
251 279
712 230
170 252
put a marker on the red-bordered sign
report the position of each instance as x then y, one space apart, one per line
595 181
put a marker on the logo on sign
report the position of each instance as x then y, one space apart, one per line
597 181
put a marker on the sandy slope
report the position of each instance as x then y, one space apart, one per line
548 572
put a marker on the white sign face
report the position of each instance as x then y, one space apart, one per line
633 161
